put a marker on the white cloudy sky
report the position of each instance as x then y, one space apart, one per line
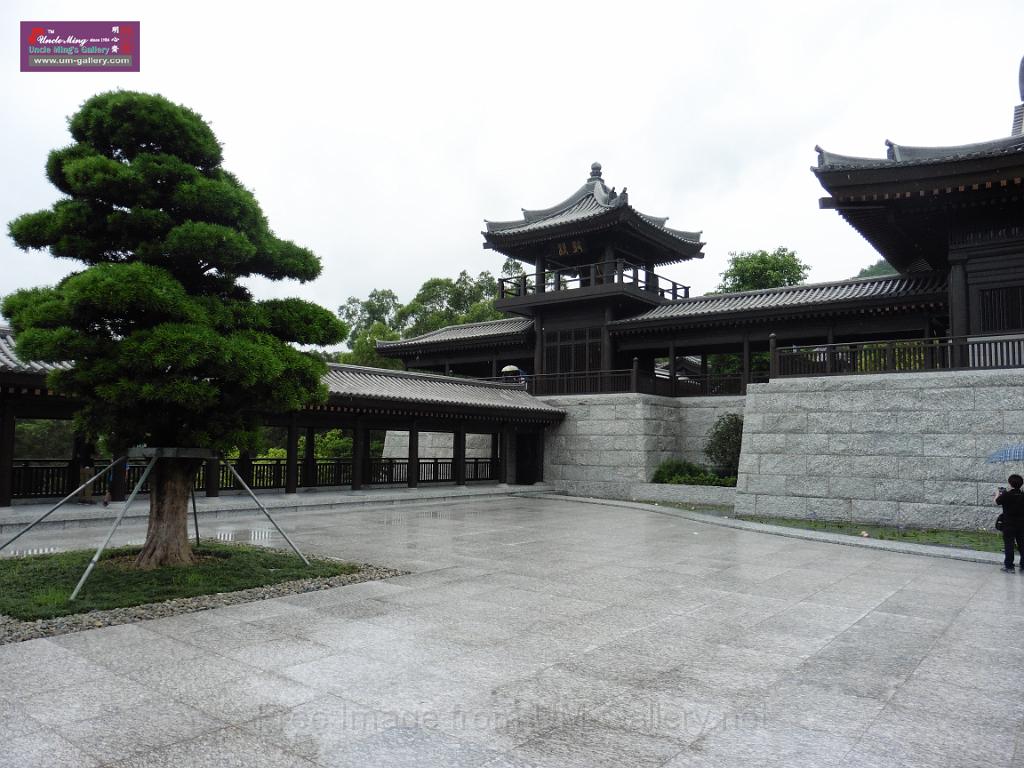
381 135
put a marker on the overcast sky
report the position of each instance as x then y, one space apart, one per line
381 135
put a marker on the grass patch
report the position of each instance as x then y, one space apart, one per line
982 541
38 587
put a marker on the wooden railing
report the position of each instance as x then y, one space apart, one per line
47 478
604 273
900 356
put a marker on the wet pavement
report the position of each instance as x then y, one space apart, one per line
542 632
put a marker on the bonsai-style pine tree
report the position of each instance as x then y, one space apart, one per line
168 348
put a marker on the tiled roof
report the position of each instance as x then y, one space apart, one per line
11 363
431 389
590 201
899 155
508 329
892 287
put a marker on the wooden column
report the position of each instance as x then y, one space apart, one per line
309 478
459 455
74 469
495 448
413 472
540 283
540 456
360 446
746 363
6 453
212 478
704 383
830 354
672 369
538 344
958 316
773 357
245 467
505 438
607 353
291 466
494 367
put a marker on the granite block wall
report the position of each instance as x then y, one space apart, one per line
608 442
435 445
900 449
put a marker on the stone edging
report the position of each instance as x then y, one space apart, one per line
925 550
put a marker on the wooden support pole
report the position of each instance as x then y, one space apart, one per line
413 472
634 376
541 276
495 448
459 454
7 454
773 356
71 481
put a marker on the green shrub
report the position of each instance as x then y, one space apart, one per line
724 441
677 472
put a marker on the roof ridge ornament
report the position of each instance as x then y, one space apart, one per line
1020 79
595 171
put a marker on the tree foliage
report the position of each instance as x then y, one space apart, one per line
879 269
756 270
169 349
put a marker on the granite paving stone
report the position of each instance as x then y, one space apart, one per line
543 632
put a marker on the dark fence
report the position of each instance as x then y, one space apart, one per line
901 356
46 478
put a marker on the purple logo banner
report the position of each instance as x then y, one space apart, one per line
79 46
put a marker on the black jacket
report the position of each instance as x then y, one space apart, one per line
1012 502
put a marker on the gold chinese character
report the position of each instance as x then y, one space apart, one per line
577 246
563 250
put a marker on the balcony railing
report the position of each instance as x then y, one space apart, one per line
900 356
633 380
605 273
42 478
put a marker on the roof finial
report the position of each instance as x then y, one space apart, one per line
595 170
1020 79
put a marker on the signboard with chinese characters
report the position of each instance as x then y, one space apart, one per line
569 247
79 46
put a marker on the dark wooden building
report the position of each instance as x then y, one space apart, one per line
593 315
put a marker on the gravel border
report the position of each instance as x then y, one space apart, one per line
15 630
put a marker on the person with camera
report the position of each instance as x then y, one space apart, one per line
1011 521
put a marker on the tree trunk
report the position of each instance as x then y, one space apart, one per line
167 540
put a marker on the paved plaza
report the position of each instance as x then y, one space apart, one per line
543 632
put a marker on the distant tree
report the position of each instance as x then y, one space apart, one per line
756 270
381 306
169 348
364 348
43 439
442 301
879 269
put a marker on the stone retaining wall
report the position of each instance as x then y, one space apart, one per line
606 441
898 449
